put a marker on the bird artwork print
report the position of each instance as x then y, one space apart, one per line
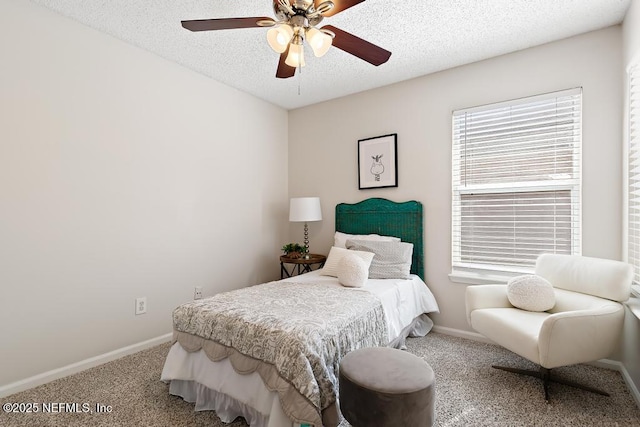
377 168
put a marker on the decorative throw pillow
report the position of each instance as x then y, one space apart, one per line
531 292
353 271
340 239
392 260
335 255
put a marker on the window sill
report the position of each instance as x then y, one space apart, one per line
634 306
482 278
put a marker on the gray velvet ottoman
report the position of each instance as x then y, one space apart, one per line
382 386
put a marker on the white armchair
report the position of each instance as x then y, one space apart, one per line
583 326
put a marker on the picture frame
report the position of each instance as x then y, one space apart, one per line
378 162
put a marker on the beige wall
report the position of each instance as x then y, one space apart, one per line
323 140
630 354
122 175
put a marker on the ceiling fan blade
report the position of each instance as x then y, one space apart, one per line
339 5
223 24
284 71
358 47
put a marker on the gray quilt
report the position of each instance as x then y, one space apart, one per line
296 334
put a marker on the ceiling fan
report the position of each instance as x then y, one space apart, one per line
297 21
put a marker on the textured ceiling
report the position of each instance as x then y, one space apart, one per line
424 36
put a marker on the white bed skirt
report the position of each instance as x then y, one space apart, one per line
217 386
227 408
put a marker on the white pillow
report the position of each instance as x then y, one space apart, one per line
335 255
340 239
353 271
531 292
392 260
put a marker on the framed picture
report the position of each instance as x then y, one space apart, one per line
378 162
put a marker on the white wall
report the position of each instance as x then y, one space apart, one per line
630 354
323 159
631 32
122 175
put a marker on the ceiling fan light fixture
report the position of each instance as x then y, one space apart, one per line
279 37
320 42
295 58
297 20
325 6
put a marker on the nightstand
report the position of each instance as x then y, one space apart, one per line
300 265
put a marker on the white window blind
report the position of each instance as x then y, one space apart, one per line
516 182
634 171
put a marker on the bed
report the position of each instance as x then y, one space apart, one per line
270 353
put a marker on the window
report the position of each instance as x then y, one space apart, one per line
633 137
516 183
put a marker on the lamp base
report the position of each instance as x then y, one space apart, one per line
306 241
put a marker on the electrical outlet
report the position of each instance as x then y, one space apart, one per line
197 292
141 305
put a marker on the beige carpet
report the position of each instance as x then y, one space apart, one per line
468 392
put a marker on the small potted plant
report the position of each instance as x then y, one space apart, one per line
293 250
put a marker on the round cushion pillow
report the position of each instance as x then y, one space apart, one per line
531 293
353 271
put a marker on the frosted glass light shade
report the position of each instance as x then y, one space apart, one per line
319 41
305 209
295 58
279 37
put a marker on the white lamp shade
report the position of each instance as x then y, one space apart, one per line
295 58
279 37
319 41
305 209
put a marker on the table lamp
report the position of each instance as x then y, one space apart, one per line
305 209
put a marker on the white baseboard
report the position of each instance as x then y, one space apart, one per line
633 389
462 334
74 368
602 363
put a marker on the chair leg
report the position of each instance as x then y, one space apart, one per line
545 375
580 386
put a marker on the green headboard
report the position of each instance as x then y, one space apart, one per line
387 218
